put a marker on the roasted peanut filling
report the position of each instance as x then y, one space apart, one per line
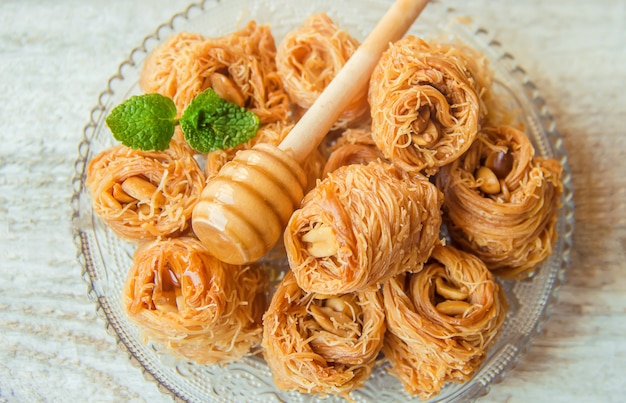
337 315
454 298
226 89
135 189
321 241
490 176
426 131
488 181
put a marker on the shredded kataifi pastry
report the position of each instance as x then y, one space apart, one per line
319 343
441 321
193 305
361 225
501 201
309 58
425 102
145 194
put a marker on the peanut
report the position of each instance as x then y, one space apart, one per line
109 201
143 209
453 308
120 195
142 190
344 304
225 88
321 241
449 292
489 182
427 137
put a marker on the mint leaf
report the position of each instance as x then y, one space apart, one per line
144 122
210 123
147 122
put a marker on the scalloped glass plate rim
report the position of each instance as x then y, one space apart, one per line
179 378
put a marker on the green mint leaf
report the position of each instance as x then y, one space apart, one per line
210 123
144 122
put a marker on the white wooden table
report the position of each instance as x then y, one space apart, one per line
55 58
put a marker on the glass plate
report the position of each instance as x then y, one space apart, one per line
106 259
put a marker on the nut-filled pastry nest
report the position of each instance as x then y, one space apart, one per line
321 343
361 225
441 320
501 201
308 59
195 306
427 102
142 195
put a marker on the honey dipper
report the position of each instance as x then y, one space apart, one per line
243 211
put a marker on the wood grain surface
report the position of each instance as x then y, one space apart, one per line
55 58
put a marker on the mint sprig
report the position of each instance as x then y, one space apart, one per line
147 122
210 123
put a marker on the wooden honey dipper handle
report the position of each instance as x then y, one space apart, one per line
243 211
350 80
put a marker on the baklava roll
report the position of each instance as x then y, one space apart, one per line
239 66
361 225
325 344
191 304
425 103
145 194
441 321
309 58
501 202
